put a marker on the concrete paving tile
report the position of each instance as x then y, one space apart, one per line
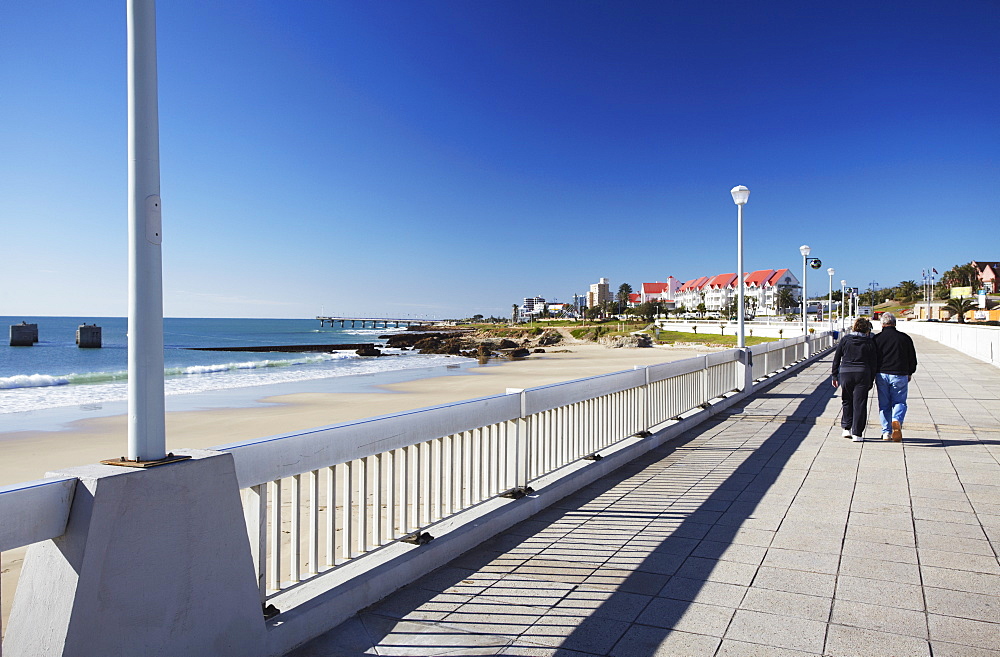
844 641
962 604
671 545
411 603
522 649
713 570
942 649
794 581
881 535
686 616
959 561
406 638
645 641
749 554
487 617
807 543
973 532
779 631
815 562
880 592
965 516
584 633
760 537
630 582
871 568
891 620
616 605
694 590
886 521
732 648
349 639
960 580
964 631
784 603
954 544
883 551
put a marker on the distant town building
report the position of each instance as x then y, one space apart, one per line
599 293
716 292
533 307
988 273
659 292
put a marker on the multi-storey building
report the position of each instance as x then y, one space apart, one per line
533 306
716 292
599 293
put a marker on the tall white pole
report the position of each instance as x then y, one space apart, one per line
830 299
739 276
805 318
843 304
146 433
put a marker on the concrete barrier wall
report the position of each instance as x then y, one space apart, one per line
982 342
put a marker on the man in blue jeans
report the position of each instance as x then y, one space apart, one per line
897 363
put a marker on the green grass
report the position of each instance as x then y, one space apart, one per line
670 337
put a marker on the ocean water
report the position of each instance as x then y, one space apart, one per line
56 374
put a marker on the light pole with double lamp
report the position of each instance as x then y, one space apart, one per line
740 197
830 300
807 262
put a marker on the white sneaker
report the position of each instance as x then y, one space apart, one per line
886 436
846 433
857 439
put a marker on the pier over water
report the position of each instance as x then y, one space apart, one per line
386 322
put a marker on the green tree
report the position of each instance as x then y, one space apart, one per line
624 290
785 298
960 306
907 290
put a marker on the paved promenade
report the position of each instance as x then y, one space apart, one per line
760 533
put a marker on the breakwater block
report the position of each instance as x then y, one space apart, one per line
293 348
88 336
23 334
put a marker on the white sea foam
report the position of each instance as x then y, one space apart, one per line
32 381
37 392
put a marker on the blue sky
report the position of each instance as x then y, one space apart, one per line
449 158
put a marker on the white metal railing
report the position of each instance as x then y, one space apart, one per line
318 499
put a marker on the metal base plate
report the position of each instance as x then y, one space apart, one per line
126 463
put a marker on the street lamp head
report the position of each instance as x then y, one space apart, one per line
831 272
740 194
844 283
804 250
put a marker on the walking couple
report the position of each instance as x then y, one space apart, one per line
889 360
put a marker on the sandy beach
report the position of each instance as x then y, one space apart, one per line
28 455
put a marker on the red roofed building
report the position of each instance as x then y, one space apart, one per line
659 292
716 292
988 273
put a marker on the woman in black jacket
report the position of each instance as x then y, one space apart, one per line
854 367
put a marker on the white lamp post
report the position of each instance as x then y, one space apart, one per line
843 288
804 250
830 301
146 433
740 196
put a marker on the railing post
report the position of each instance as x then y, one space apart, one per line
521 456
644 398
255 514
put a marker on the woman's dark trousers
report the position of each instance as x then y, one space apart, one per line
854 388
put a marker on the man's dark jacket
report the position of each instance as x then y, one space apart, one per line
895 351
856 353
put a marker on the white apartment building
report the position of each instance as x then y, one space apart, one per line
599 293
716 292
532 306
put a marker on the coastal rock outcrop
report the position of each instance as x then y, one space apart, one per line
626 341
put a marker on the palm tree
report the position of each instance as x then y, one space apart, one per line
959 307
624 290
907 290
